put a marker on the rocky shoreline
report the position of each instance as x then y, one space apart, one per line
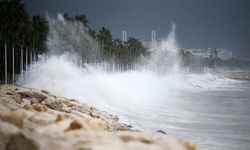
239 75
31 119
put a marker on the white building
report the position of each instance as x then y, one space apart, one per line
223 54
199 52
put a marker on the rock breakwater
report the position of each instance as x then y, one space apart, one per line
33 119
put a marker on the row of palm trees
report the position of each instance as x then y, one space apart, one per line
111 48
17 26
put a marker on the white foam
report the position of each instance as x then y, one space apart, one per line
159 81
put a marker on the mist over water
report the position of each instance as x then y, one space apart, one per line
61 73
164 57
71 37
154 95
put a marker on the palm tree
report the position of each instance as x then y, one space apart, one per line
105 39
135 47
15 20
40 30
83 19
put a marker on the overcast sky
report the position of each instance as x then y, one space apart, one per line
199 23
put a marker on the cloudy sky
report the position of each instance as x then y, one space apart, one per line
199 23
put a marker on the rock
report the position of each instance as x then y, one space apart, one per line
45 92
39 97
40 107
13 117
16 98
133 137
67 109
6 130
26 101
28 107
115 118
42 118
25 95
97 125
33 119
94 116
56 106
74 125
19 142
66 102
179 144
8 93
43 102
59 117
161 131
80 114
130 126
49 100
74 100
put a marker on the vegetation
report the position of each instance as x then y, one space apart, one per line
113 49
125 53
40 31
16 26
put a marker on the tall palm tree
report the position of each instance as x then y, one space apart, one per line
40 30
15 20
83 19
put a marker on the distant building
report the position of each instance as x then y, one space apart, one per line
153 39
152 43
223 54
199 52
124 36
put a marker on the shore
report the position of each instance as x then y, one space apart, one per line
238 75
32 119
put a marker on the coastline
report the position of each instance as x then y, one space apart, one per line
237 75
35 119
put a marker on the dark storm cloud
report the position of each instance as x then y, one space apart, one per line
200 23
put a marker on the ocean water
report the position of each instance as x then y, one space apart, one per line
212 111
215 119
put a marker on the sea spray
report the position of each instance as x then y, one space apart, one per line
164 57
71 37
64 73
